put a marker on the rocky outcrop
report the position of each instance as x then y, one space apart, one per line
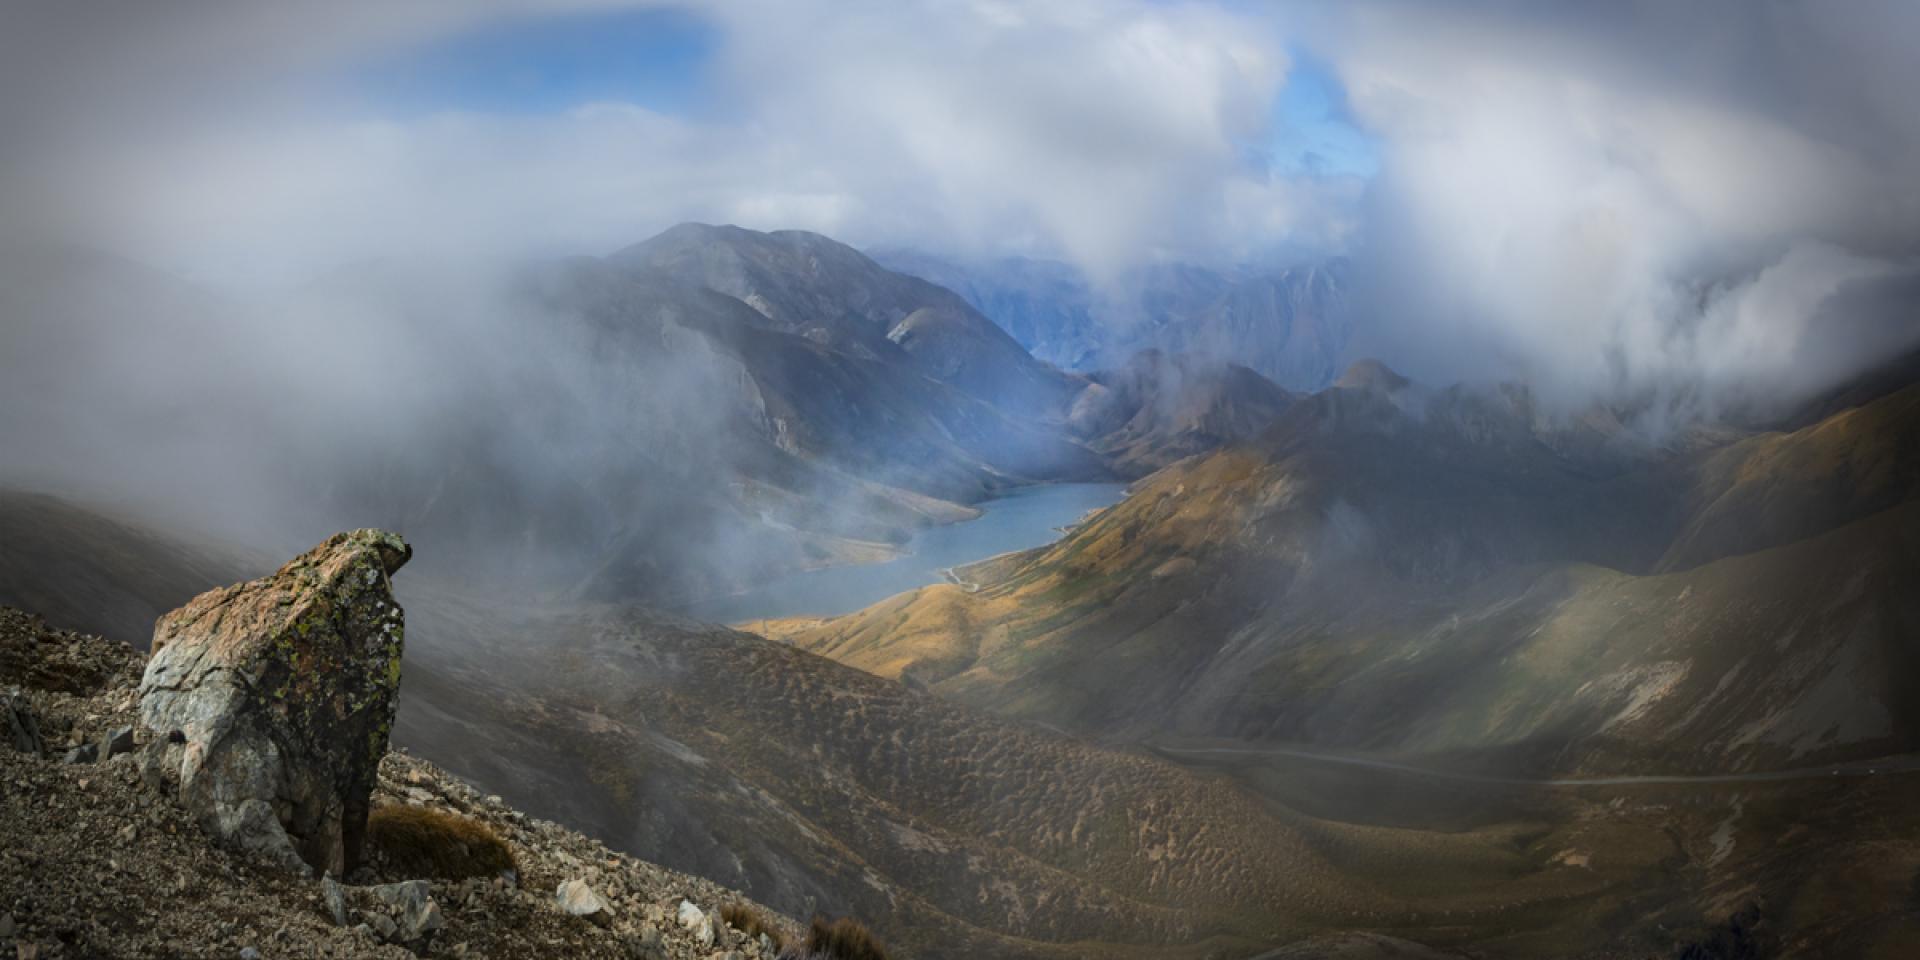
92 866
268 704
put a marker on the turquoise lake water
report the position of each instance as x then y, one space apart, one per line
1027 517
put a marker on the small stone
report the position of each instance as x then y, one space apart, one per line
577 899
418 796
335 899
116 742
383 926
85 753
249 953
418 916
7 926
698 922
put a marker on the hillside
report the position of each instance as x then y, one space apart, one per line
1445 583
809 285
1160 408
98 865
808 785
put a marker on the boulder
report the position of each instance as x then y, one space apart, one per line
269 703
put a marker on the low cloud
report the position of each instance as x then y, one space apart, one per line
1606 201
1568 201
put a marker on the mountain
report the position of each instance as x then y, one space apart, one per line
806 284
705 448
807 785
1159 408
1426 575
1290 325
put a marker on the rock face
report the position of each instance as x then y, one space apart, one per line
270 702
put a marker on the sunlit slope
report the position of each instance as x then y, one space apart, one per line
1779 487
1366 579
814 786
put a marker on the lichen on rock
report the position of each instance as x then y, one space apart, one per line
268 704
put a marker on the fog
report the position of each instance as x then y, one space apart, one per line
1705 206
242 294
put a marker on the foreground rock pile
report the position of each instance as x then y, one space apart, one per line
135 829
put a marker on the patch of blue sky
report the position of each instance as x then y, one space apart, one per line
656 58
1314 133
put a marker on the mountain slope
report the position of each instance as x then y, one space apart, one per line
808 285
100 865
810 786
1291 326
1438 580
1158 409
703 450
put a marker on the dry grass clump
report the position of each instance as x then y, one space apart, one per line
420 842
753 923
843 939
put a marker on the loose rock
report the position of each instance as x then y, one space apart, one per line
579 900
698 922
116 742
22 726
415 915
335 900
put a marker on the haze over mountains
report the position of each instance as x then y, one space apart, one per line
1023 762
1291 325
1503 422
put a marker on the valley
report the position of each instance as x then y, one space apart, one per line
1121 480
1160 659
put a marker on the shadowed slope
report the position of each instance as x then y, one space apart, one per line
1421 576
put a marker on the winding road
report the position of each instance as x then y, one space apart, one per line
1884 766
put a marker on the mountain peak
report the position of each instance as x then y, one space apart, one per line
1370 374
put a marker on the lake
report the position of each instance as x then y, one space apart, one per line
1025 518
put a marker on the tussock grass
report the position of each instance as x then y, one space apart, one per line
843 939
421 842
753 923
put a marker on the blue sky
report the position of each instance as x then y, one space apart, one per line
653 58
1313 130
661 59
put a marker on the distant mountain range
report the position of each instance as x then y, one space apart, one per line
1359 667
1440 574
725 405
1290 325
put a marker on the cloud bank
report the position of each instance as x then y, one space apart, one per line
1696 203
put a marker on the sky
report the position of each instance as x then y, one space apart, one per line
1615 200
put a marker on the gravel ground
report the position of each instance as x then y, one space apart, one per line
94 863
